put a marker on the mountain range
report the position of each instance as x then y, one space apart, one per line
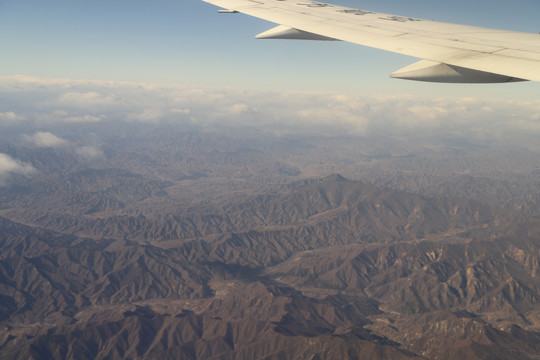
323 268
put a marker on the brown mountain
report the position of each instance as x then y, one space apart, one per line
319 269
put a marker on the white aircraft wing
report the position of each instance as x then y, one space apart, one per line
449 52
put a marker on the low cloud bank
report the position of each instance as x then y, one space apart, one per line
52 102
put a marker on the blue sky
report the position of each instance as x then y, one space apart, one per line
187 42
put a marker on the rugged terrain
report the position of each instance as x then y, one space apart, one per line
184 244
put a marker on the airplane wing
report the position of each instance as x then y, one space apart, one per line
449 52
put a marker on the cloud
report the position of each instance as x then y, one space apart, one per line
46 139
51 102
181 111
8 116
239 109
84 119
146 116
89 152
10 166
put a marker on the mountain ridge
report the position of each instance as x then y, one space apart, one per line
321 269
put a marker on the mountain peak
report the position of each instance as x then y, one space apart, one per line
334 178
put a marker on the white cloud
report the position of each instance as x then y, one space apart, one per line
239 109
146 116
67 101
84 99
8 116
9 166
46 139
84 119
89 152
181 111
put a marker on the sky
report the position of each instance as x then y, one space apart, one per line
187 42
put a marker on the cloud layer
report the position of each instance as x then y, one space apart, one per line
50 102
